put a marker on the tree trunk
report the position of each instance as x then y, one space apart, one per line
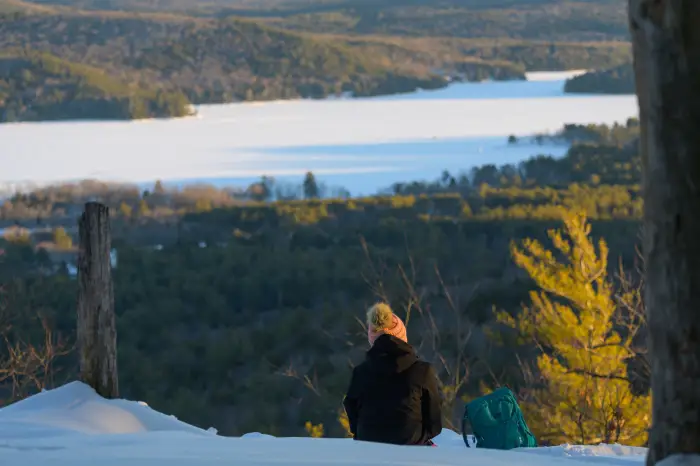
97 333
666 47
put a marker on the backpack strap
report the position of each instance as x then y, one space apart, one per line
464 428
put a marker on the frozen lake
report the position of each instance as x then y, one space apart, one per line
361 144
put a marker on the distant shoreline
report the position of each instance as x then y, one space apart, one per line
193 110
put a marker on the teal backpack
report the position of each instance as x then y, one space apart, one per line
497 422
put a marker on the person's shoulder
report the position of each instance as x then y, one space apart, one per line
424 368
424 365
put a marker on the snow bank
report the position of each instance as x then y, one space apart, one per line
72 425
606 453
76 408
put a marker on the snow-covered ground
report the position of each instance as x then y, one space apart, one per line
72 425
361 144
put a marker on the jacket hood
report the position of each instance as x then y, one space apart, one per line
390 355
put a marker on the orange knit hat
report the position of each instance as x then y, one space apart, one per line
381 320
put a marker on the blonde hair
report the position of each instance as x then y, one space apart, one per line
379 316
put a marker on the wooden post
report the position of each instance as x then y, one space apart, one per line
97 331
666 50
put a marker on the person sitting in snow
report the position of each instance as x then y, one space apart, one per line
393 396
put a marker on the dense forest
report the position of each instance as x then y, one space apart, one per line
244 313
217 60
272 54
598 20
616 80
582 20
36 86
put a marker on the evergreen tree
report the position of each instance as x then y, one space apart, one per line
311 190
584 396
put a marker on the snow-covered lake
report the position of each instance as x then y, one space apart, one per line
361 144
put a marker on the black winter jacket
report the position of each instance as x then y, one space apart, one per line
393 396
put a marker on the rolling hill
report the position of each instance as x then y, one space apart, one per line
579 20
39 86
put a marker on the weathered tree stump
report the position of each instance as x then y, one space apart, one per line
666 46
97 331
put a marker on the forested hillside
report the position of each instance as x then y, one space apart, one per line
616 80
210 61
525 19
243 314
38 86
